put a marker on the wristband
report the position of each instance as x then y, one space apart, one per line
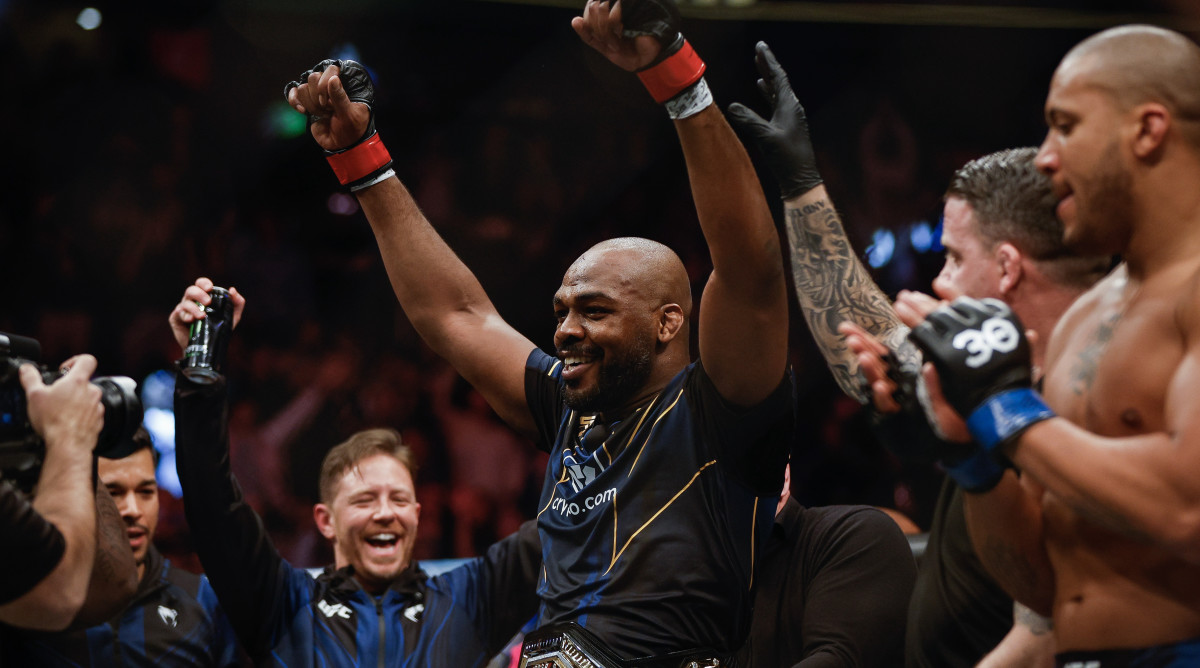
674 74
690 102
360 163
1002 417
372 180
976 474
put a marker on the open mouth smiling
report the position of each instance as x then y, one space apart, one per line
382 541
574 364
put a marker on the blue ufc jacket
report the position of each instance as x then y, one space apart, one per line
173 621
286 617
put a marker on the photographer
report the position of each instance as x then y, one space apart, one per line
50 543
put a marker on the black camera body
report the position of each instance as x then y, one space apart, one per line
21 449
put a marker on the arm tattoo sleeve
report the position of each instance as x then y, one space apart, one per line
832 285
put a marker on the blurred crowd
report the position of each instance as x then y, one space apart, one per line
157 152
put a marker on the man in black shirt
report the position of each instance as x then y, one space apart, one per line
619 534
833 590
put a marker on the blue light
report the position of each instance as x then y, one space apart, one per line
921 236
158 398
346 51
349 51
158 390
883 246
89 18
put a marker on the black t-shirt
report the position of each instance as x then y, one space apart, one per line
32 545
833 591
958 613
649 537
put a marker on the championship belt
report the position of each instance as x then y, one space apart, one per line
568 645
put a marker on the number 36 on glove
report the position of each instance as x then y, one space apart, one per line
983 360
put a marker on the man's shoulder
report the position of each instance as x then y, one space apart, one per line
182 578
1092 297
830 525
846 517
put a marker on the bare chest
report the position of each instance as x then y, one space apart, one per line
1114 371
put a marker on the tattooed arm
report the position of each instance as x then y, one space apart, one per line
831 283
833 286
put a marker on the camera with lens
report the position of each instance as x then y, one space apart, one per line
21 449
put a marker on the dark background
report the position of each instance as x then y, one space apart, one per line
157 148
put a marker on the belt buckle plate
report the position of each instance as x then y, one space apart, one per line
556 651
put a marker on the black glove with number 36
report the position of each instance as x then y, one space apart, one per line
983 361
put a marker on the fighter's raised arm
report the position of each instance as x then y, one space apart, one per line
743 314
832 285
439 294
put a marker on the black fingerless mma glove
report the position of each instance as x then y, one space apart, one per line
676 77
983 360
366 161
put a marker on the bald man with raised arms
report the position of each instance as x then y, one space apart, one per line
1105 534
664 472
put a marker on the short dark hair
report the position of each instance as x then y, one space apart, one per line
358 447
1013 202
141 440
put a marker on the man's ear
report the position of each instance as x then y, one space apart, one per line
670 322
1012 271
323 516
1152 122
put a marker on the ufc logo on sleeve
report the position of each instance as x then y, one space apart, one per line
994 335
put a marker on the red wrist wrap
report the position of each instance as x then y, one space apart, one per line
668 78
359 161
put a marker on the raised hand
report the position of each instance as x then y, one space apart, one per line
630 48
784 139
188 310
338 97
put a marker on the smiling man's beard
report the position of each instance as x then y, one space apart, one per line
619 379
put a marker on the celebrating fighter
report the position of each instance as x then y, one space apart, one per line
664 473
1105 533
1002 240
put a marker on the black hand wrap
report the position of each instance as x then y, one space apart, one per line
355 81
366 161
983 360
675 78
783 140
657 18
